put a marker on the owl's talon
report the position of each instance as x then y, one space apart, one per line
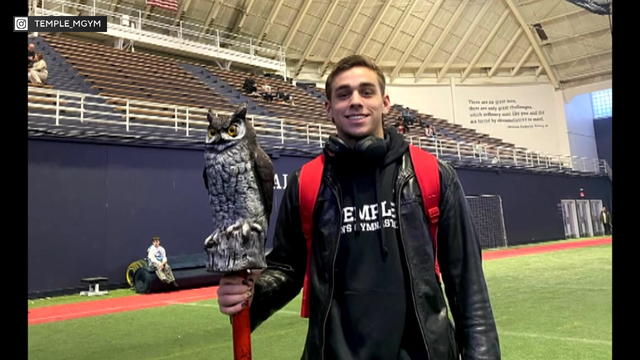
209 240
233 227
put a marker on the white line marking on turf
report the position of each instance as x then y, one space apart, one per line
583 340
287 312
508 333
190 304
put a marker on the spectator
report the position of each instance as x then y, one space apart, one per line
430 131
605 218
265 92
249 85
280 96
407 117
157 260
32 55
401 128
284 97
38 73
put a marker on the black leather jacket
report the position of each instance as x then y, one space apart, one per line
475 335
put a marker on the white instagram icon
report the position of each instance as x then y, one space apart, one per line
20 23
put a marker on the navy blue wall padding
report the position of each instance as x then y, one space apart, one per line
530 202
93 208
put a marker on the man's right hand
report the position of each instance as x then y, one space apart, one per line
235 293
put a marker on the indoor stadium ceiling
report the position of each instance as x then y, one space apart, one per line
421 41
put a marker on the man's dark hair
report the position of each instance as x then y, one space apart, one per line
349 62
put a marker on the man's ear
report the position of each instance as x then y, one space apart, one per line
327 108
386 103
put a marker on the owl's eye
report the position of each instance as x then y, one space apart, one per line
233 130
211 133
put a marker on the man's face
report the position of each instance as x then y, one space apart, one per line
156 243
31 47
357 104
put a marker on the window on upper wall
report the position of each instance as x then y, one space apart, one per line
601 101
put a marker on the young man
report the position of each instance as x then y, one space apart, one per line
374 293
157 258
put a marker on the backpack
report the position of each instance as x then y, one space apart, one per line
425 166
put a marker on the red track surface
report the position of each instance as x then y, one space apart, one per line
109 306
137 302
499 254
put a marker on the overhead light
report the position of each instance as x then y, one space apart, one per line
540 31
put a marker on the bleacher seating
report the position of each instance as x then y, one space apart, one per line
306 107
117 73
170 93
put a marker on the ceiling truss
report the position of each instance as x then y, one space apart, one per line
494 40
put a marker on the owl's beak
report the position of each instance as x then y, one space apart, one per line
212 139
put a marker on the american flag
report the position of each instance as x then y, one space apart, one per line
165 4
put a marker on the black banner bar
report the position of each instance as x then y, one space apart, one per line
67 23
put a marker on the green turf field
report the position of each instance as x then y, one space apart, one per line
552 306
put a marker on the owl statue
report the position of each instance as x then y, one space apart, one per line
238 176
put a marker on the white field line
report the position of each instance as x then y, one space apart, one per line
288 312
562 338
508 333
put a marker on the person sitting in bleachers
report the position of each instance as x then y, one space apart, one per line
249 85
280 96
283 97
407 117
265 92
430 131
404 123
38 73
31 57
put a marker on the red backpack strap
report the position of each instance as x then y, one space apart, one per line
308 188
425 166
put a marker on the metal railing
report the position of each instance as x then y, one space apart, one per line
133 24
65 113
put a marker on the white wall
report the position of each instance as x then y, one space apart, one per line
530 116
579 114
432 100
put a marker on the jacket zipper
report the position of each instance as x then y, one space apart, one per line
333 267
413 296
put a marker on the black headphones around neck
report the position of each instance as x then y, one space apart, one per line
371 147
